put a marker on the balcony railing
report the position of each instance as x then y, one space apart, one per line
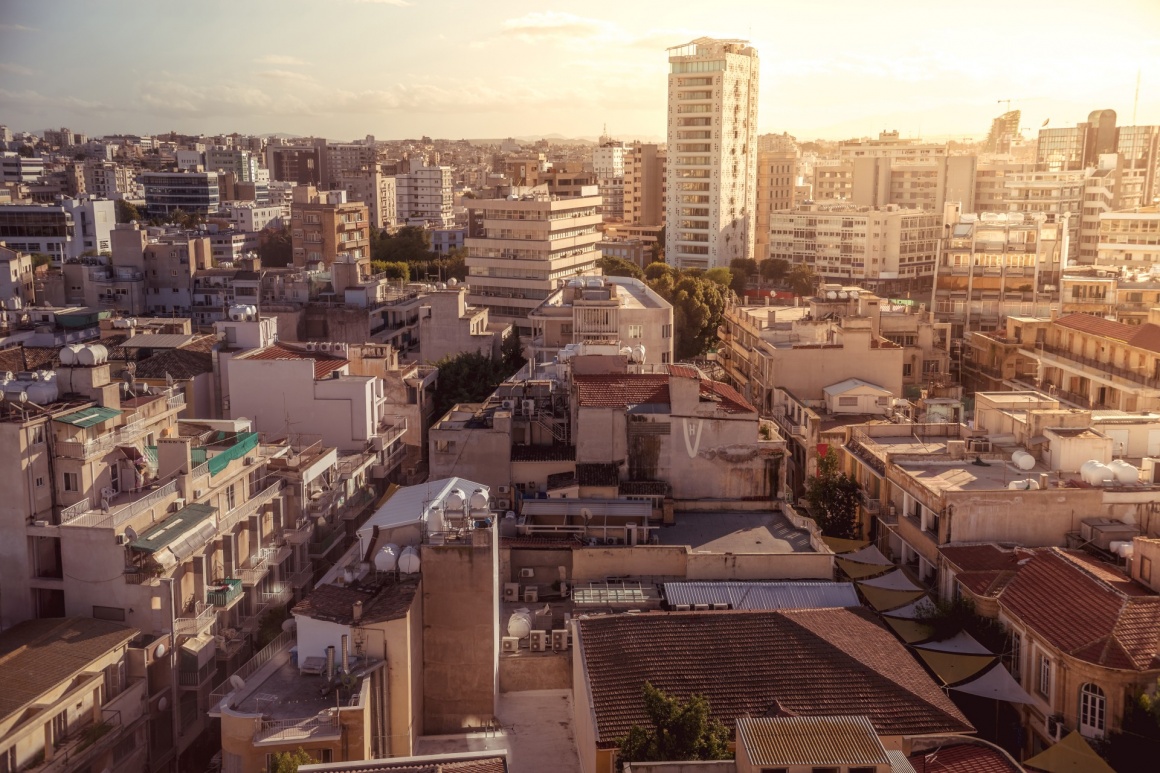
250 507
320 725
1061 353
76 449
119 513
302 578
280 643
176 401
224 593
202 617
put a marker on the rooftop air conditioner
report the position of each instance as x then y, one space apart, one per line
538 641
503 504
531 594
511 591
180 503
510 644
527 572
560 640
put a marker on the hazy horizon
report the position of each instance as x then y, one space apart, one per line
453 69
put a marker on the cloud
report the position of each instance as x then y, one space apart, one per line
16 28
14 69
557 25
285 75
396 3
34 99
280 59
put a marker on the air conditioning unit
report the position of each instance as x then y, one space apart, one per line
122 539
508 404
41 523
720 606
180 503
980 445
198 492
701 607
531 594
511 591
529 407
560 640
377 442
503 504
683 607
527 572
1054 726
503 490
538 641
510 644
248 461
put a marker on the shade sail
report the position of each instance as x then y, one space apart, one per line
896 580
962 643
951 668
869 555
913 610
839 545
858 571
883 600
996 683
909 631
1071 755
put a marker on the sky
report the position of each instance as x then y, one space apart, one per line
342 69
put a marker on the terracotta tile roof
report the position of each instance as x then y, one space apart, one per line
12 359
335 603
324 363
37 357
985 583
558 452
1086 610
181 363
37 655
793 741
621 390
598 474
984 558
818 662
729 398
1145 336
437 763
684 371
963 758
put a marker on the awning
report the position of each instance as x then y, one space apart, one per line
1071 755
913 610
869 555
132 453
172 529
202 647
910 631
952 668
962 643
88 417
883 600
996 683
856 570
896 580
839 545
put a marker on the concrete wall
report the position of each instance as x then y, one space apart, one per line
535 671
482 455
713 766
678 561
584 715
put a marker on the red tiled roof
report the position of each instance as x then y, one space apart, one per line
1145 336
962 758
684 371
730 399
817 662
12 359
324 363
437 763
621 390
180 363
983 558
1087 611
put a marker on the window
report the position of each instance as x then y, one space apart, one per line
1044 687
907 369
636 331
1016 657
1145 569
444 446
849 402
72 481
36 435
109 613
230 498
1092 705
40 482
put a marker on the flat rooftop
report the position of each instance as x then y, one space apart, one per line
736 532
965 475
287 694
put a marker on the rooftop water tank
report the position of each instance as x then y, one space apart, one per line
520 623
409 561
480 501
1124 472
388 558
1096 473
68 355
1023 460
455 501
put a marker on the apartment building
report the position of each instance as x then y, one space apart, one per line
239 162
424 194
1081 147
569 180
645 184
777 174
993 266
520 247
66 229
15 168
348 159
109 180
888 249
250 217
302 164
449 326
375 189
617 310
17 289
991 183
1004 130
192 192
324 225
1130 239
712 153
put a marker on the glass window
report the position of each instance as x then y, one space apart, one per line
1044 686
1092 705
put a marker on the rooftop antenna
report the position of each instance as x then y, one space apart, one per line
1136 102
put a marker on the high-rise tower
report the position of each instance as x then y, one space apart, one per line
712 153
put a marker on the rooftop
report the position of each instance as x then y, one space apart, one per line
736 532
785 741
942 476
1144 336
763 595
625 389
958 755
287 693
324 363
335 603
820 662
464 762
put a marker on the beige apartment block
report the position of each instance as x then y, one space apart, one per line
424 194
645 184
323 225
712 153
889 250
519 248
449 326
777 174
1051 193
375 189
1114 292
991 183
1130 239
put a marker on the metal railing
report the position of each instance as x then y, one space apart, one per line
74 510
1102 367
297 729
176 401
302 577
227 595
76 449
250 507
279 644
203 616
118 515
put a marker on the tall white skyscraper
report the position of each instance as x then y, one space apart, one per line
712 153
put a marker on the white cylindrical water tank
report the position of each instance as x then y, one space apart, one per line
1122 548
1124 472
455 501
832 295
68 355
480 501
409 560
388 558
520 623
42 392
1096 473
638 353
1029 484
1023 460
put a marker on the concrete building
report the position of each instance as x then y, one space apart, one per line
80 700
109 180
1004 130
991 183
569 181
1051 193
777 176
424 195
323 226
449 326
618 310
444 240
375 189
634 251
302 164
888 250
993 266
21 170
1130 239
192 192
349 159
250 217
520 247
66 229
242 163
645 184
712 147
17 290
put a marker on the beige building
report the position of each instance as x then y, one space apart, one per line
1054 194
520 247
712 153
991 182
1116 292
448 326
888 249
323 226
376 190
777 176
424 194
645 184
1130 239
603 310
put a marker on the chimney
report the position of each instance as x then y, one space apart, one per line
330 663
357 608
1043 480
345 654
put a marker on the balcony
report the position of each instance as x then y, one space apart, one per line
102 444
870 503
84 744
300 533
250 507
1064 357
121 508
201 617
264 603
281 642
302 578
223 594
317 728
260 565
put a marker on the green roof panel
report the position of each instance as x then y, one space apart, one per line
172 528
89 417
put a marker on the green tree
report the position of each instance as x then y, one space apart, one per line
275 247
774 270
654 271
614 266
1135 747
801 280
681 730
40 259
658 248
288 762
400 270
833 499
698 307
411 243
127 212
468 377
26 151
720 275
512 352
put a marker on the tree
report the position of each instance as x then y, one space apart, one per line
26 151
288 762
1135 747
654 271
468 377
833 499
40 259
275 247
774 270
512 352
411 243
681 730
399 270
698 308
127 212
801 280
614 266
658 248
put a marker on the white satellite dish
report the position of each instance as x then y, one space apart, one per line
586 514
289 625
160 651
131 535
163 704
237 682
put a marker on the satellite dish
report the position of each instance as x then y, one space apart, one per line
163 704
131 535
160 651
237 682
289 625
586 514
